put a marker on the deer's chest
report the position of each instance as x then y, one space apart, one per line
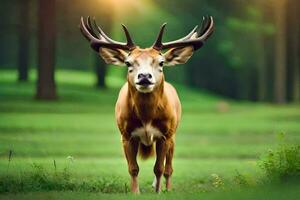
147 134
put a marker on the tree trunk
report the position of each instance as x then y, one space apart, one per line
261 56
261 65
280 52
106 21
46 88
100 68
295 34
24 39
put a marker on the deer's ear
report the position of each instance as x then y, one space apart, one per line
178 55
113 56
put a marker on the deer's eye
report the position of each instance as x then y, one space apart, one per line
128 64
130 69
161 63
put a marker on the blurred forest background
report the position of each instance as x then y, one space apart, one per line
253 55
58 137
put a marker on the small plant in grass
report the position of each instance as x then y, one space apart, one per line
10 153
240 179
244 180
217 181
283 163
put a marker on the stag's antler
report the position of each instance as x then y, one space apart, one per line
195 38
100 39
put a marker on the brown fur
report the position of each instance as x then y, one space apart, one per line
145 152
162 109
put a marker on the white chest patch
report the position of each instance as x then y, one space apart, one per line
147 134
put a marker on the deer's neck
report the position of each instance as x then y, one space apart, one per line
146 105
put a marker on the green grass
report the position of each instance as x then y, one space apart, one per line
275 193
81 124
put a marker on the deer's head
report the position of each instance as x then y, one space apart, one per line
145 66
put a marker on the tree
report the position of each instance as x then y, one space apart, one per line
46 88
295 50
280 51
24 39
100 69
106 20
261 55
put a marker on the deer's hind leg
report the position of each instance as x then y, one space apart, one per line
168 166
161 151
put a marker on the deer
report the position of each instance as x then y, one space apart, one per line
148 109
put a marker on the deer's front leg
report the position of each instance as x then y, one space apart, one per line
131 149
161 151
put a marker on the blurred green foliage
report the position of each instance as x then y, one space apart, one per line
283 163
228 64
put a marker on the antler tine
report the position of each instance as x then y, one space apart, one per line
158 43
128 37
188 36
195 38
101 32
204 26
129 43
209 30
102 40
90 28
85 31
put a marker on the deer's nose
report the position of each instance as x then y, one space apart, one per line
144 75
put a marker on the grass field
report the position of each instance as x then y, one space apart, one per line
217 140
